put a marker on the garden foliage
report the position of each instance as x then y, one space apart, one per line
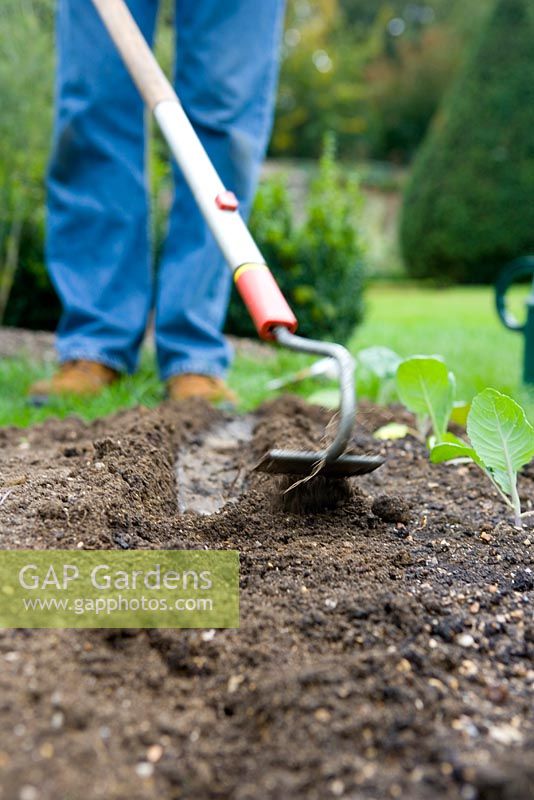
468 207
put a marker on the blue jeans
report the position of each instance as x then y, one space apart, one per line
98 230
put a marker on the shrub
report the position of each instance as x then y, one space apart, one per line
318 264
468 207
25 123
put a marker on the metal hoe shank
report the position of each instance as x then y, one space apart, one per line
330 461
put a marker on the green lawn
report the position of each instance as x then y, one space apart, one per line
459 323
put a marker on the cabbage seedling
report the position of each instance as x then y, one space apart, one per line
502 441
375 377
426 388
376 368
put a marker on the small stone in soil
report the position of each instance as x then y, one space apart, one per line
28 793
154 753
144 769
465 640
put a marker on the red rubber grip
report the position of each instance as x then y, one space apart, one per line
265 302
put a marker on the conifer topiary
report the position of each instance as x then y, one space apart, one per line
469 205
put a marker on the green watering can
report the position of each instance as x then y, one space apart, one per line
517 269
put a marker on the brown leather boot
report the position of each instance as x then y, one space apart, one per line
80 378
214 390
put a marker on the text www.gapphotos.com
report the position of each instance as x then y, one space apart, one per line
113 605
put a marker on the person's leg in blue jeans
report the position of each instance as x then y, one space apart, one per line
98 230
226 71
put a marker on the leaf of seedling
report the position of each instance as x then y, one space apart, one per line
500 432
448 451
426 388
328 398
392 431
380 361
503 479
447 437
503 440
459 413
375 373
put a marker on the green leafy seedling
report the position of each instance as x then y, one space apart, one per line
426 387
380 361
375 373
502 442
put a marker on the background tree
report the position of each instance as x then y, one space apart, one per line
373 72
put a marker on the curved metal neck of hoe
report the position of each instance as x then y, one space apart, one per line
347 403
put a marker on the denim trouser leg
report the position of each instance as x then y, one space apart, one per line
226 70
98 241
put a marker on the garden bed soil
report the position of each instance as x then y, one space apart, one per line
385 647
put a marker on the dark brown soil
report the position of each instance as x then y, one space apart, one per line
385 648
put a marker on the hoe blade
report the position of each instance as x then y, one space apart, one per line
332 462
286 462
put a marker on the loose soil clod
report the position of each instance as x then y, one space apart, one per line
377 657
391 509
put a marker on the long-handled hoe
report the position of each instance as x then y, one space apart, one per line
266 304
